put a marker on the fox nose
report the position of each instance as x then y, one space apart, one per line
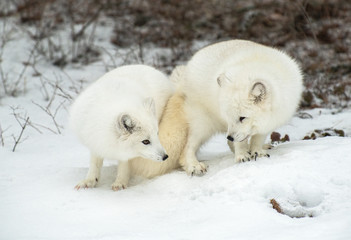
165 157
230 138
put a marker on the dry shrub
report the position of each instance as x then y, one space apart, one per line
315 32
44 20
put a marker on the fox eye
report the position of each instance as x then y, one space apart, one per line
241 119
146 142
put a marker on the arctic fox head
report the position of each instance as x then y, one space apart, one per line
243 103
138 133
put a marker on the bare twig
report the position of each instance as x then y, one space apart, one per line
76 35
63 93
31 124
20 76
52 114
35 126
18 139
111 58
4 79
308 20
76 89
141 51
53 96
56 86
44 89
2 137
5 38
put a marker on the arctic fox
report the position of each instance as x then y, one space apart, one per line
173 132
117 117
239 87
173 135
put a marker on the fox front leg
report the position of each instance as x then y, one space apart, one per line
256 146
188 159
93 174
123 176
190 163
242 153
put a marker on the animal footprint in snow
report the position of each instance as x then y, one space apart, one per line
307 202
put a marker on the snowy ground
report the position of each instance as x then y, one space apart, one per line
232 201
311 180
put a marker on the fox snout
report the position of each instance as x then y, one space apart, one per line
230 138
162 156
157 156
239 137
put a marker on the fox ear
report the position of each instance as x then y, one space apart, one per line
258 92
149 105
126 124
222 80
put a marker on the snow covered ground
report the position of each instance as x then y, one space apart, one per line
310 179
232 201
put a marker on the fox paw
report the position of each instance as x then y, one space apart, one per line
196 168
243 157
117 186
258 154
87 183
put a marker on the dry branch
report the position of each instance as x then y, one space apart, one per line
51 114
2 137
23 127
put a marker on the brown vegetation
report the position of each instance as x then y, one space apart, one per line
315 32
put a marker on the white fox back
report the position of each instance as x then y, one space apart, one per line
122 91
243 61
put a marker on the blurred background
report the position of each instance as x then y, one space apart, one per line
165 33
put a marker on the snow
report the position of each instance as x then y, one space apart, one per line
310 179
230 201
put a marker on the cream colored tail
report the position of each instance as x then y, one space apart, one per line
173 133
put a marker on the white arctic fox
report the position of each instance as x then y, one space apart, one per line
117 117
239 87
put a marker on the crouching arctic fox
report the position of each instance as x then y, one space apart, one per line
239 87
173 135
117 118
173 132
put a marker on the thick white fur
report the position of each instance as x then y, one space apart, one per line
173 132
219 84
116 113
173 135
